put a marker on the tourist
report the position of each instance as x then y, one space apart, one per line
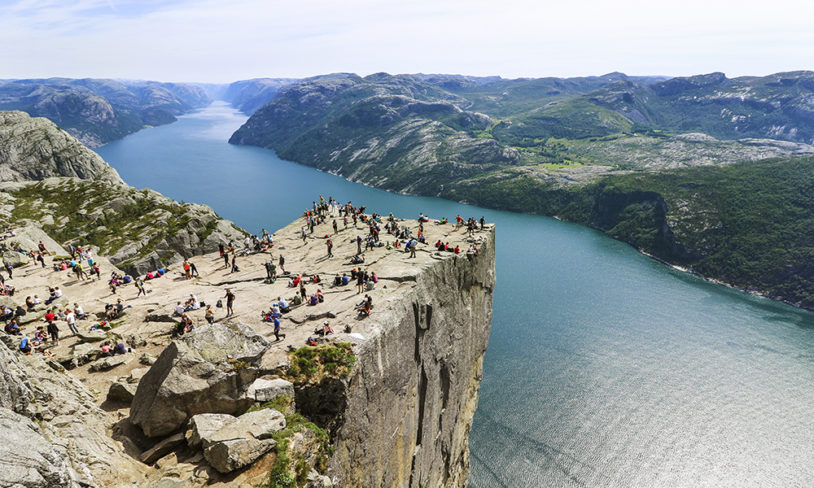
70 317
230 301
140 286
283 304
281 263
326 328
330 246
79 312
179 309
53 330
25 347
277 333
360 282
187 270
193 269
12 328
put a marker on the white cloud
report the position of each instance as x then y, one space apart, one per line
224 41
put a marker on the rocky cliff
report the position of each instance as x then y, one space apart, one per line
35 148
409 404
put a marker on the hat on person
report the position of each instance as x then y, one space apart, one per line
325 323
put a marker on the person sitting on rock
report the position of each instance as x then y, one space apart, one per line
106 349
79 313
12 328
25 346
210 314
119 348
179 309
283 304
326 328
29 303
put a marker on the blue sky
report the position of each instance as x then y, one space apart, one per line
227 40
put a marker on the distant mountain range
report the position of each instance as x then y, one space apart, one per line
637 157
97 111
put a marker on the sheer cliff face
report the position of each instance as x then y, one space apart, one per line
35 148
410 402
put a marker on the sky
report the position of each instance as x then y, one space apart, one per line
227 40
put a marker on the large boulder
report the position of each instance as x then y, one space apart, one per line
239 443
121 392
15 259
109 363
203 425
263 390
207 371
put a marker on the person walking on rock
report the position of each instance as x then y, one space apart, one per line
70 317
281 263
277 333
330 246
230 301
140 287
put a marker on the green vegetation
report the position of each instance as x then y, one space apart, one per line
291 473
311 364
281 403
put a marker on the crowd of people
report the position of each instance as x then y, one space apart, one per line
343 222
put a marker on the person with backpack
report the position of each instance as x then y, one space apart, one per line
230 300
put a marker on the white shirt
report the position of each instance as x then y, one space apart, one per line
70 318
179 309
79 311
58 293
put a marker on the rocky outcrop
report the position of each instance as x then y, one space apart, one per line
35 148
408 406
53 433
239 443
207 371
138 230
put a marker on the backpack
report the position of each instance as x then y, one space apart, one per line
219 304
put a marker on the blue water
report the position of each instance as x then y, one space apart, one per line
604 368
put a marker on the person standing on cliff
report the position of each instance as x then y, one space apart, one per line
193 269
281 263
330 246
230 300
482 222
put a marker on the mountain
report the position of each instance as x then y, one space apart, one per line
49 180
97 111
559 146
35 148
249 95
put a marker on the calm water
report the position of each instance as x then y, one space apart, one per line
604 367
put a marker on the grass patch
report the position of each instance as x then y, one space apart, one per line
292 473
313 363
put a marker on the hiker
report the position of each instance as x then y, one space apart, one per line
330 246
179 309
70 317
140 287
230 300
234 263
281 263
210 314
187 270
413 244
193 269
277 333
270 270
53 331
360 282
